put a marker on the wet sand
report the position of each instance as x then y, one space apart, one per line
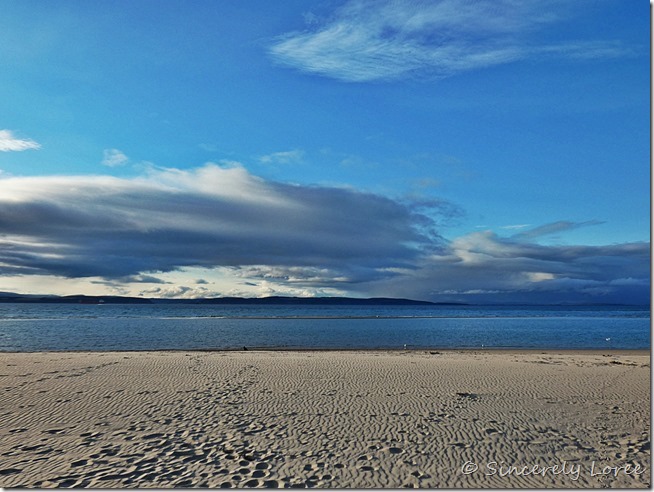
449 419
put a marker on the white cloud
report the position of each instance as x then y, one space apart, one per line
114 158
266 289
209 147
178 292
286 157
540 276
515 226
383 40
10 143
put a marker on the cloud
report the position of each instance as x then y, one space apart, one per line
553 228
119 285
282 239
305 276
142 279
11 143
287 157
369 40
267 288
209 147
114 158
178 292
83 226
515 226
484 267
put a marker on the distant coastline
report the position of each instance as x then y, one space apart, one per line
12 297
273 300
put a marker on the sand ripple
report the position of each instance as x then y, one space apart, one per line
323 419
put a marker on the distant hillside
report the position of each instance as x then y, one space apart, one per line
275 300
76 299
384 301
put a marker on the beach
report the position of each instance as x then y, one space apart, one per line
331 419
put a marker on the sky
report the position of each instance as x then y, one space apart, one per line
490 151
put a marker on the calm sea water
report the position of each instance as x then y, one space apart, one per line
39 327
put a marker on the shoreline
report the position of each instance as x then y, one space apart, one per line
408 350
327 419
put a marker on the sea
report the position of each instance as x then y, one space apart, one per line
26 327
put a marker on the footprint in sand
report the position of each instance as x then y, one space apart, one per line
54 431
32 448
419 474
470 396
10 471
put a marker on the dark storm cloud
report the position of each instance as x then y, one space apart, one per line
212 216
483 267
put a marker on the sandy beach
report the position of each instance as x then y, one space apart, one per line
455 419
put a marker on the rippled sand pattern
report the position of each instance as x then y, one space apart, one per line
323 419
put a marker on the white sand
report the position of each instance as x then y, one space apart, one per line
325 419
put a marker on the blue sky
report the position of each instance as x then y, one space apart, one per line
475 151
